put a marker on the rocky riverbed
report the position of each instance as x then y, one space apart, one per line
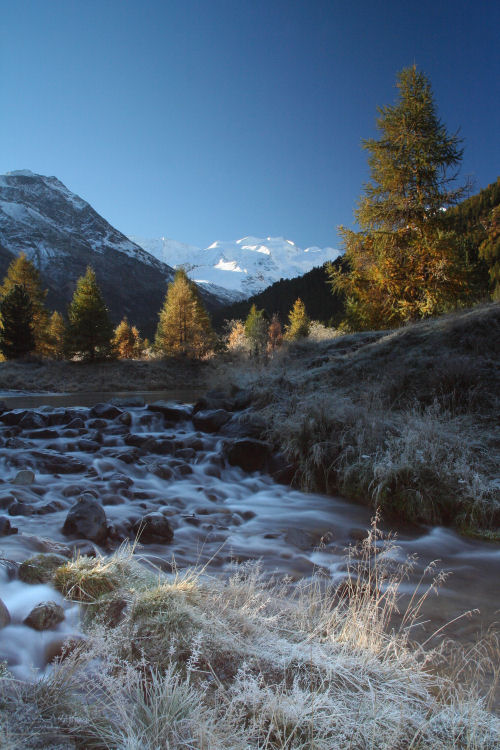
195 485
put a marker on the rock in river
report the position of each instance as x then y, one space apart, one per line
44 616
4 615
248 454
154 527
87 519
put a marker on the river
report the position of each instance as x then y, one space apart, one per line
219 514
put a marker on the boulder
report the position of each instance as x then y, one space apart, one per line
5 527
13 417
248 454
48 462
40 568
171 412
44 616
125 418
18 508
87 519
25 476
32 420
211 420
105 411
154 527
4 615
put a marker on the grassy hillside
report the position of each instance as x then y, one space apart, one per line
404 419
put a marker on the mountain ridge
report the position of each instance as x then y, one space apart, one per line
243 267
62 234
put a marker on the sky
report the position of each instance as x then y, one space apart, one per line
206 120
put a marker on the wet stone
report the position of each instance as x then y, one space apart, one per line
32 420
5 527
21 509
87 519
211 420
45 616
88 446
45 433
164 447
105 411
47 462
248 454
171 412
154 527
4 615
53 507
16 444
12 417
25 476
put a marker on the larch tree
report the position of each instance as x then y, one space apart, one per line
23 272
89 330
405 263
274 334
139 343
184 327
123 340
56 336
256 327
16 319
298 322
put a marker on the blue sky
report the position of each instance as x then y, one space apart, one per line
214 119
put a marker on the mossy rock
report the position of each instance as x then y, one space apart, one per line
40 568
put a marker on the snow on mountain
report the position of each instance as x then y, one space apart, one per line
62 234
241 267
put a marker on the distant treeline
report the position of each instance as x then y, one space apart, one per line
312 288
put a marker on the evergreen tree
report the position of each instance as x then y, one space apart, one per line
89 330
184 327
405 263
298 322
23 272
489 250
16 315
256 327
124 341
56 336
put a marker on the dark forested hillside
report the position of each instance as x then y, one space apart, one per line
312 288
470 220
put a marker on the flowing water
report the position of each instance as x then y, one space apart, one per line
219 515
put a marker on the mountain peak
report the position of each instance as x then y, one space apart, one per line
243 267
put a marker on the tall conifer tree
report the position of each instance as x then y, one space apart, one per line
16 318
404 263
184 326
89 330
298 322
256 327
56 336
24 273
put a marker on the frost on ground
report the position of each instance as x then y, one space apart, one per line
405 419
189 661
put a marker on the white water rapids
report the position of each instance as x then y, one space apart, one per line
219 515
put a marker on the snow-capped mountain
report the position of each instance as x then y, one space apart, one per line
241 267
62 234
